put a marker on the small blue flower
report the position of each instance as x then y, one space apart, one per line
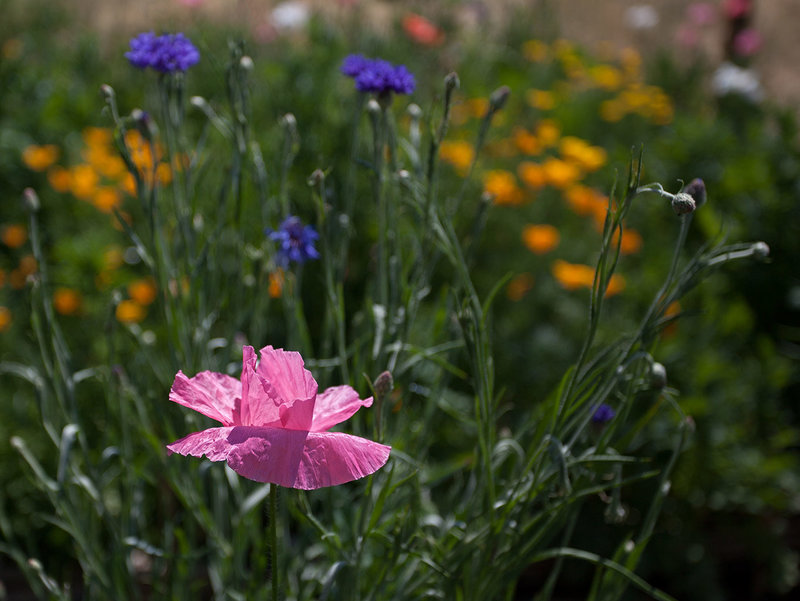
296 241
166 53
603 414
377 75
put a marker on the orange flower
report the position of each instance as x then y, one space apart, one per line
540 239
532 174
560 174
5 318
14 235
587 201
525 141
459 154
113 257
19 276
519 286
106 199
129 311
631 242
97 137
422 31
548 132
39 158
143 291
84 181
584 155
478 107
671 328
59 178
28 265
615 285
503 188
66 301
276 283
573 276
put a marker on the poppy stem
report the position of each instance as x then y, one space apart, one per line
273 538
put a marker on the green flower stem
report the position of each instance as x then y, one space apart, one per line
273 541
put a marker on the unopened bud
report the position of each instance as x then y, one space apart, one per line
107 91
683 203
383 385
414 111
658 376
197 101
31 200
373 108
246 63
451 81
289 121
697 190
498 98
316 177
760 250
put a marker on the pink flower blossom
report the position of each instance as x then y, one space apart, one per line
747 42
735 9
274 424
701 13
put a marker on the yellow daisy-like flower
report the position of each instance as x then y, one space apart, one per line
503 188
39 158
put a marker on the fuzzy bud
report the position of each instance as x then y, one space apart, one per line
31 200
760 250
383 385
246 63
414 111
451 81
499 98
107 91
683 203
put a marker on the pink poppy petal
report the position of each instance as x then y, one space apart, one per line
335 405
285 371
260 404
290 458
213 394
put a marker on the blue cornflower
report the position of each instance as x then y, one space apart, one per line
603 414
377 75
296 241
165 53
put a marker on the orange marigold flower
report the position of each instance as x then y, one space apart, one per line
129 311
143 291
164 174
5 318
458 153
560 174
66 301
39 158
631 241
615 285
540 239
59 178
587 201
526 142
531 174
587 157
519 286
129 184
573 275
14 235
97 137
503 188
106 199
422 31
84 181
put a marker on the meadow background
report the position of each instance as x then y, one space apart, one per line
87 329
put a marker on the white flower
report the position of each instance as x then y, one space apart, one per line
290 15
732 79
641 16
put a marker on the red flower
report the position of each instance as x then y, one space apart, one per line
422 31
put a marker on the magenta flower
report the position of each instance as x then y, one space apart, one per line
274 424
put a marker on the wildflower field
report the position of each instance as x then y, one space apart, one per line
430 302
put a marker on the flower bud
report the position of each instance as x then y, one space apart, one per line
683 203
451 81
316 177
246 63
760 250
383 385
697 190
658 376
498 98
31 200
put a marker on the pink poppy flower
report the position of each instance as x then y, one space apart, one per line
274 424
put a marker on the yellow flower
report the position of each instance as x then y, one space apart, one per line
560 174
612 110
459 154
477 107
143 292
519 286
587 157
502 186
97 137
129 311
540 239
14 235
535 51
532 174
5 318
548 132
606 76
39 158
66 301
544 100
631 62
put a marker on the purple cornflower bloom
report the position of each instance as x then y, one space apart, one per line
165 53
377 75
296 241
603 414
